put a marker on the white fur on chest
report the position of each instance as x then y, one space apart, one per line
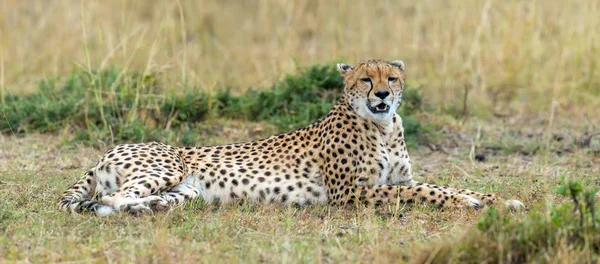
384 172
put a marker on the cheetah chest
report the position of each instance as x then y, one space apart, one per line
374 168
383 166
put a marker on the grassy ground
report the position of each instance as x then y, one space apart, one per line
35 169
502 97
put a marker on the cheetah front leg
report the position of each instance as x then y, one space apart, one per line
378 195
488 199
400 171
346 189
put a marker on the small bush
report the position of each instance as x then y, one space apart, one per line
113 106
570 229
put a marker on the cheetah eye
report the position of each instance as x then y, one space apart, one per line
392 79
366 80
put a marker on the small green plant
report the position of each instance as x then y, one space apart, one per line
499 237
583 202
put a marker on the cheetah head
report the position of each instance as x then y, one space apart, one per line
374 88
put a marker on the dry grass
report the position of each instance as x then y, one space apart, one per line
535 52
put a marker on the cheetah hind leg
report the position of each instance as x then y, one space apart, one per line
146 205
129 201
188 189
131 204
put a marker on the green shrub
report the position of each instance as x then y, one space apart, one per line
113 106
540 237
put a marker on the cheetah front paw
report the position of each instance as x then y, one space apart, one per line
466 201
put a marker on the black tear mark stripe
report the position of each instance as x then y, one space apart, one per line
371 88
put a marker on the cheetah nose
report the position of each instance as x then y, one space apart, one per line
382 94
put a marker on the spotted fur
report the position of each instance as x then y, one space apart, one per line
354 154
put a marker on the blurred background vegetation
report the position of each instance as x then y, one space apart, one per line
508 56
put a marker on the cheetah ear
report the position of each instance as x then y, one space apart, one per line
399 64
344 68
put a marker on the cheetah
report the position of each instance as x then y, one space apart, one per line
354 154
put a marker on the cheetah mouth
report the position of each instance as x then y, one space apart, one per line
379 109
